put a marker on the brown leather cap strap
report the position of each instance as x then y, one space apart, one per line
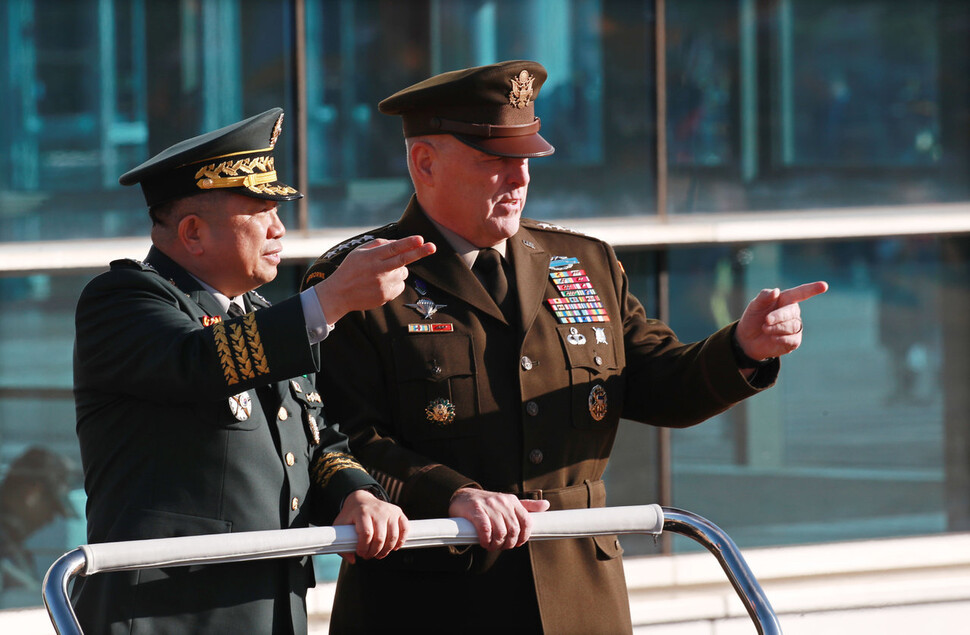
484 129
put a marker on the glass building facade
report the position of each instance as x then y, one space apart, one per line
729 145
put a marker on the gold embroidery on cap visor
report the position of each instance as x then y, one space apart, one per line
256 174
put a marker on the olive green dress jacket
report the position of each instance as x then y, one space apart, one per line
193 423
438 390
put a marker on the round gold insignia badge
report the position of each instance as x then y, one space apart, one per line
597 402
440 411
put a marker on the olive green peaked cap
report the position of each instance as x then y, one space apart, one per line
237 158
491 108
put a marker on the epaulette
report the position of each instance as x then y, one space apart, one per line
356 241
131 263
542 225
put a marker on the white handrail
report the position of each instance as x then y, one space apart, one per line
256 545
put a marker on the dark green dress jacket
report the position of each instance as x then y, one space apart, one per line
527 404
193 423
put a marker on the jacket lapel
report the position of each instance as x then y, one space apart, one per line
444 268
531 263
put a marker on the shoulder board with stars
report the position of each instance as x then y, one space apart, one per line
131 263
534 224
356 241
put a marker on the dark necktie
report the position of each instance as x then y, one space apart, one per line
235 310
488 266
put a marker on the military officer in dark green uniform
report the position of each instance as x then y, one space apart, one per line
196 406
505 367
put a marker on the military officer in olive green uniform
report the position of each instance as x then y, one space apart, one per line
196 406
503 371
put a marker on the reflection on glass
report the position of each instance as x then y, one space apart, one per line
858 421
803 104
864 80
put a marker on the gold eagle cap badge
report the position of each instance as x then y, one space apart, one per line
277 129
521 94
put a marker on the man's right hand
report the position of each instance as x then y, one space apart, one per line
501 520
370 276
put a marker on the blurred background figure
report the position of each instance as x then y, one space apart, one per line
34 492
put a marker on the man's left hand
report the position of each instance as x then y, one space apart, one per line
771 325
381 526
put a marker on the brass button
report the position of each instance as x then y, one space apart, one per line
436 370
598 360
290 459
295 503
526 363
283 414
535 456
532 408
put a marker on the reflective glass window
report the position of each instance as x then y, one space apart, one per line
816 103
861 436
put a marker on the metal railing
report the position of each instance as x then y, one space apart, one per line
89 560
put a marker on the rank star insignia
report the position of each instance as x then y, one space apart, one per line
426 307
241 406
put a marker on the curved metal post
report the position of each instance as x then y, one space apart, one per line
715 540
56 598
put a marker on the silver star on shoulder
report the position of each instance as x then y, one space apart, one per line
426 307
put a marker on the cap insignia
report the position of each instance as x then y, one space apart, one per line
521 94
277 129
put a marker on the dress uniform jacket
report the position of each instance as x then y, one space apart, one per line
193 423
445 392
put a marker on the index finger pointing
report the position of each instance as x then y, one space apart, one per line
801 292
412 248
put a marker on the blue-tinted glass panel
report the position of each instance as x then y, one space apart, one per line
862 436
36 411
805 104
595 106
93 88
